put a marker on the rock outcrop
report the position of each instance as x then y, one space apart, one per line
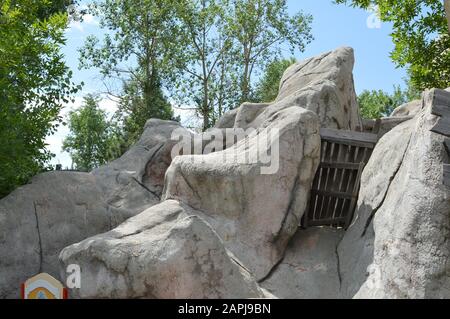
237 194
408 109
410 207
135 181
165 252
324 85
58 209
310 268
39 219
225 224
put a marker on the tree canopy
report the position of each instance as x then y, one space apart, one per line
34 85
268 87
135 50
377 103
91 141
421 36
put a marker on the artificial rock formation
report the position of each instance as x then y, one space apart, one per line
135 181
232 192
39 219
225 224
411 216
165 252
237 197
61 208
408 109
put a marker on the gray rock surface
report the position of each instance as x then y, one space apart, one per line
135 181
236 197
406 244
309 268
165 252
247 113
324 85
357 247
61 208
39 219
228 119
408 109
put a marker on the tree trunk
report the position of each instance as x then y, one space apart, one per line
447 12
245 90
205 106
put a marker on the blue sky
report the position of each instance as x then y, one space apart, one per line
334 26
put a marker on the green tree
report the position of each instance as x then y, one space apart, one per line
377 103
205 58
421 36
226 42
134 110
267 88
137 49
91 139
34 85
261 29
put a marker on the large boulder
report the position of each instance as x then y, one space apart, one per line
61 208
399 237
134 182
323 85
357 247
39 219
235 194
408 109
228 119
247 113
165 252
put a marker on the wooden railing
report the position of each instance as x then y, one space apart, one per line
336 184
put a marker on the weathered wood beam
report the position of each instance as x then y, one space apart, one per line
332 194
447 145
442 127
349 137
447 174
324 222
352 166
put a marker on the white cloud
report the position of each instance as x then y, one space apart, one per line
88 20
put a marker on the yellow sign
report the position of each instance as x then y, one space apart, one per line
43 286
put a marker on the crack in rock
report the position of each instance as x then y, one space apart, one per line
391 179
39 238
146 188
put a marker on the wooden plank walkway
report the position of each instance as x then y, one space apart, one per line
336 184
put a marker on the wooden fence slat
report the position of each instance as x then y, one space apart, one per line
355 191
340 165
441 97
442 126
331 193
349 137
447 145
335 187
326 222
447 174
441 110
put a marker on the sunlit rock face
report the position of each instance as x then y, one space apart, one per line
150 225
